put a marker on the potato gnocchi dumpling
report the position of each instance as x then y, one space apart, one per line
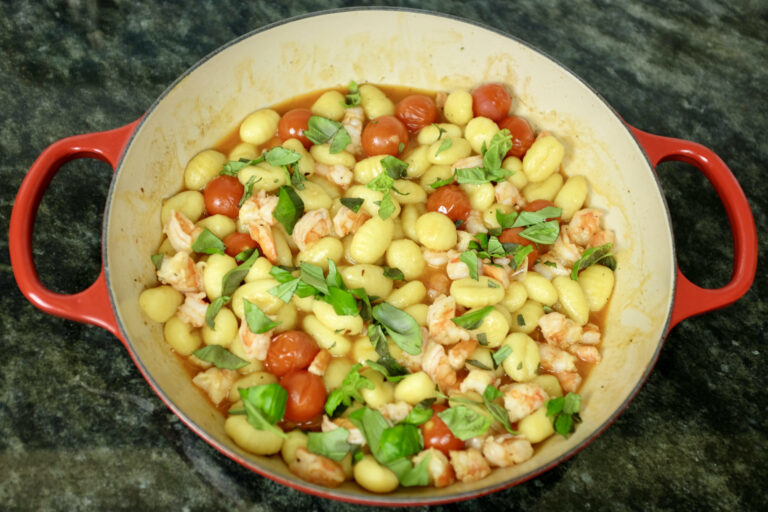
386 286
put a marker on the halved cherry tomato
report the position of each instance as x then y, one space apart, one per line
222 195
292 125
384 135
416 111
512 236
306 395
492 101
436 433
522 135
290 350
537 205
239 242
451 201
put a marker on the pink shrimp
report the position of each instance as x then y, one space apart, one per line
459 353
346 221
583 225
438 468
194 308
353 123
435 364
500 274
320 363
441 329
506 450
317 469
313 226
338 174
469 465
508 194
216 382
521 399
181 232
559 330
255 345
182 273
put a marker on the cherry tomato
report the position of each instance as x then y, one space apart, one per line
416 111
512 236
383 136
437 434
492 101
292 125
451 201
537 205
290 350
306 395
239 242
522 135
222 195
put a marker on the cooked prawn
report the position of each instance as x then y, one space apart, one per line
182 273
258 209
564 251
506 450
508 194
435 364
555 360
354 437
181 232
521 399
353 123
459 353
583 225
338 174
559 330
317 469
263 236
311 227
569 381
587 353
602 237
346 221
439 258
550 268
457 269
474 223
395 411
437 284
255 345
194 308
438 468
216 382
591 334
477 380
468 162
469 465
320 363
441 329
500 274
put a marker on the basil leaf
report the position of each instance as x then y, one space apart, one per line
270 399
395 167
208 243
285 291
495 248
349 390
244 255
478 364
297 179
500 144
407 474
257 419
501 354
399 441
332 444
394 273
279 156
520 254
471 176
247 190
505 220
482 339
542 233
334 278
386 206
493 284
289 208
530 218
280 274
442 183
446 144
233 278
340 141
220 357
473 319
321 130
520 320
353 203
470 259
379 342
213 309
343 301
313 276
257 321
384 371
498 412
400 326
564 412
353 98
571 403
590 257
418 415
372 424
232 167
157 260
365 306
464 423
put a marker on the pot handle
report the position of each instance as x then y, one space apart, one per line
91 305
690 299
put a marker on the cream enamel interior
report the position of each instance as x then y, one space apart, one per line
425 51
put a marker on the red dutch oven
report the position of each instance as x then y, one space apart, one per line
426 51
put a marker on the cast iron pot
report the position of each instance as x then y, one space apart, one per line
427 51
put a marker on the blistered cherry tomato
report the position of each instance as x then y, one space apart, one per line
416 111
437 435
306 395
384 136
522 135
290 350
451 201
292 125
512 236
239 242
492 101
222 195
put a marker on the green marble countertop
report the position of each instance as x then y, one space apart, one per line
81 430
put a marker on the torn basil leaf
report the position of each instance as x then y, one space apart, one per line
233 278
313 276
418 415
402 440
352 98
384 371
220 357
505 220
332 444
464 423
349 390
473 319
394 274
258 322
289 208
542 233
590 257
353 203
446 144
208 243
400 326
501 354
564 413
520 253
321 130
539 216
395 167
213 309
157 260
471 261
442 183
498 412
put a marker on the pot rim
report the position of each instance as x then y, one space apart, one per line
365 499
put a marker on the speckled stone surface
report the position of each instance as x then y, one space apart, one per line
81 430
